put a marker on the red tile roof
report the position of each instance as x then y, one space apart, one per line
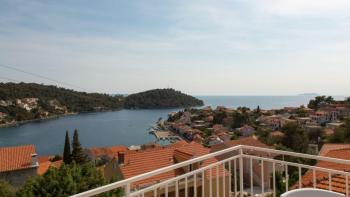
16 157
339 151
110 152
141 162
249 141
45 164
329 147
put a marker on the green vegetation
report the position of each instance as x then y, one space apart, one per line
65 181
75 101
341 134
239 119
160 98
6 190
219 116
67 157
319 101
78 155
52 100
295 138
74 176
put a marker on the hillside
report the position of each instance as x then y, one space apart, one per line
160 98
26 101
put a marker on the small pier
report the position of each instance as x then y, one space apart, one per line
165 135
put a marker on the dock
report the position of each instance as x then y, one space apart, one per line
165 135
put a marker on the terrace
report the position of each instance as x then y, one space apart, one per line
239 171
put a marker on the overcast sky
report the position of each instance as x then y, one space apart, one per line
234 47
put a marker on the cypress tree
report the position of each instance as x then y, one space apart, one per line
258 110
78 154
67 155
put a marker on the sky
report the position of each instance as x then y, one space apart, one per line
200 47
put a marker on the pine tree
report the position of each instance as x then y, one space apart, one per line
78 154
67 155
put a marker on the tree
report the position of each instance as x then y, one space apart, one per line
67 155
295 138
347 129
347 100
78 154
341 134
6 190
239 119
65 181
258 110
219 116
320 100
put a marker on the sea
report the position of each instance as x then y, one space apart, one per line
126 127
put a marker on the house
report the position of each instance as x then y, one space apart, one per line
199 124
5 103
102 155
131 164
18 163
249 141
290 109
45 164
224 136
277 134
198 138
343 110
2 116
219 128
213 140
312 127
338 182
246 130
334 125
328 132
303 120
325 116
27 103
274 122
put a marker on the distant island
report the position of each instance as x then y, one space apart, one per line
161 98
26 102
308 94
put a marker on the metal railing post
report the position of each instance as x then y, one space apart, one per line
127 190
241 172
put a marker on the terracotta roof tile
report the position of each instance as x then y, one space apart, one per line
110 152
146 161
249 141
45 164
328 147
322 178
16 157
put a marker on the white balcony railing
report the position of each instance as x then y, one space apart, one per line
237 171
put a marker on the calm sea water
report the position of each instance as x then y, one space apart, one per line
128 127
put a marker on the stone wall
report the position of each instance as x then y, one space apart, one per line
18 177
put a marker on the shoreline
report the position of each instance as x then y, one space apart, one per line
19 123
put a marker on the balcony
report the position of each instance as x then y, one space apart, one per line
239 171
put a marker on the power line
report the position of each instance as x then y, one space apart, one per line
41 76
9 79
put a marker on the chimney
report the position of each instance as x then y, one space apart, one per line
121 158
35 160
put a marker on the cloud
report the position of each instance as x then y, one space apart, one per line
201 47
305 8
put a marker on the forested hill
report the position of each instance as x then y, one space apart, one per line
31 101
160 98
54 97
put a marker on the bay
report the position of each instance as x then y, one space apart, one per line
128 127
